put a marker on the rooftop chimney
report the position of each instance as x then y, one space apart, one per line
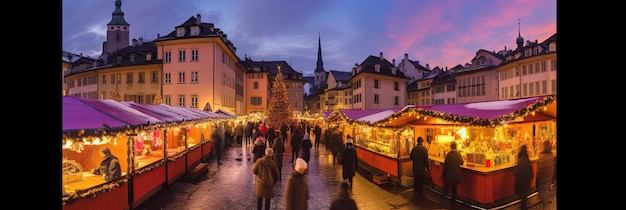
381 56
406 56
140 42
198 19
393 61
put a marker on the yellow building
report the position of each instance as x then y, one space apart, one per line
377 84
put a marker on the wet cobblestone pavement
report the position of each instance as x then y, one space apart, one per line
230 186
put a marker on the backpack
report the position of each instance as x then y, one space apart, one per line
265 176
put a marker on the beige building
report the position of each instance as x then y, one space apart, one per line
294 84
528 71
377 84
200 68
478 81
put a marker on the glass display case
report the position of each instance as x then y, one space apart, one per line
386 141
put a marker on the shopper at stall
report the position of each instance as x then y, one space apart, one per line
110 167
317 131
216 138
523 175
421 167
343 200
451 173
267 174
279 149
297 188
545 171
283 131
247 134
348 160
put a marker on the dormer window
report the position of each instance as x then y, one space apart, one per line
149 57
195 31
180 31
132 58
119 59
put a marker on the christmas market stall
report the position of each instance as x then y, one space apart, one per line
145 138
488 135
380 150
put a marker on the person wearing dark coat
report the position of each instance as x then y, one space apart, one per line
348 160
306 145
421 164
343 200
317 131
296 139
261 191
336 144
451 173
247 134
216 138
279 149
258 150
283 131
110 167
270 136
545 171
297 188
523 175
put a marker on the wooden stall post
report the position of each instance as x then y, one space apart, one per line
131 165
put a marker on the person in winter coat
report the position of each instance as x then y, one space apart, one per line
421 164
258 150
545 171
297 188
523 175
238 133
306 145
265 189
343 200
317 131
451 173
279 149
348 160
296 139
336 144
283 131
247 134
110 167
270 135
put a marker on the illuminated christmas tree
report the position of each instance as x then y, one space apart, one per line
279 103
115 94
157 98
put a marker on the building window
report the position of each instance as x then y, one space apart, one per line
181 55
255 85
396 100
194 77
104 79
255 100
194 54
149 56
141 77
376 84
181 77
552 65
396 86
129 78
119 59
376 98
181 100
154 77
168 57
168 78
132 58
194 101
180 31
195 31
167 100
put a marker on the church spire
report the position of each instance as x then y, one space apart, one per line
519 41
117 15
320 63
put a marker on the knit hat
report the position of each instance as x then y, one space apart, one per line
301 165
269 151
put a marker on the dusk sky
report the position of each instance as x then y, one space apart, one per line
441 33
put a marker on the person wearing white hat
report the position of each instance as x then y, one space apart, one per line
306 145
297 189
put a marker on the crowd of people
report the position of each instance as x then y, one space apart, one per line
268 146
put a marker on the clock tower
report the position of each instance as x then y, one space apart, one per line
118 31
